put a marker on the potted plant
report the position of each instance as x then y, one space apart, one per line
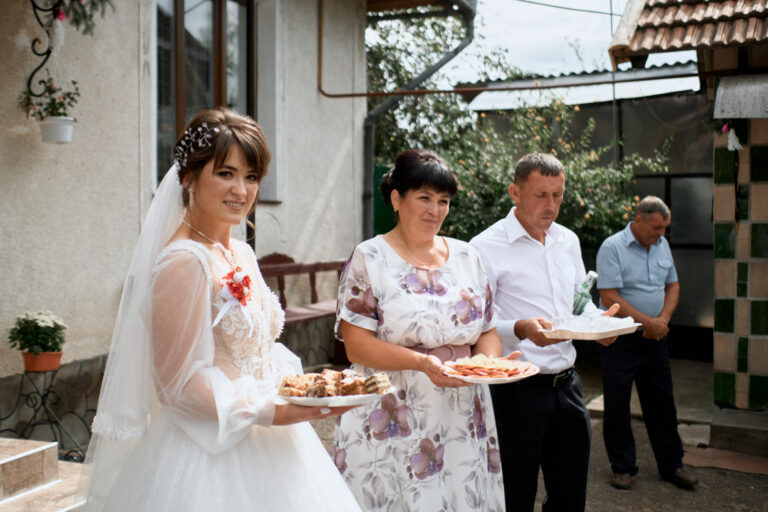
40 335
52 108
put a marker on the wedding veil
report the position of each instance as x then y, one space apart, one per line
127 392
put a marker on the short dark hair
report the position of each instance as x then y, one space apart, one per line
650 205
544 163
414 169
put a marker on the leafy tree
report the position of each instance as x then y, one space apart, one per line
482 149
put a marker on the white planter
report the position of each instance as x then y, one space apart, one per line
57 130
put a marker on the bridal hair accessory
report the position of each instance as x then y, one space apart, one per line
201 137
236 293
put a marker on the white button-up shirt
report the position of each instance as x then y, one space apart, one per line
529 280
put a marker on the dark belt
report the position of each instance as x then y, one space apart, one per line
552 380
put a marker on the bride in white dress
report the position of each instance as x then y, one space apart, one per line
188 417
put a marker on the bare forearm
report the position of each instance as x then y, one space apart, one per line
364 348
611 297
488 343
671 299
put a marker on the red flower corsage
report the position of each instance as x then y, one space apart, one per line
236 294
239 285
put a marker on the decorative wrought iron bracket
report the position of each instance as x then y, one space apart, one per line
45 53
39 400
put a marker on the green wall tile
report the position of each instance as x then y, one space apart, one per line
742 272
724 315
743 347
758 160
741 365
724 165
759 240
725 240
742 201
725 389
758 392
741 289
759 316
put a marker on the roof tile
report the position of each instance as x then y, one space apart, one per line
666 25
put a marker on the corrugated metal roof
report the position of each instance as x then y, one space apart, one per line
653 26
742 97
585 88
389 5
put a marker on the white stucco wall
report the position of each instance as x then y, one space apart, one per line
318 141
70 213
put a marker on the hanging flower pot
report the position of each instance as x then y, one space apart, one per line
42 362
57 129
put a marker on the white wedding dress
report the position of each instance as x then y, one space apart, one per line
210 445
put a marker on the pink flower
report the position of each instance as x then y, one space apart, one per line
494 460
725 128
429 459
391 420
61 15
339 457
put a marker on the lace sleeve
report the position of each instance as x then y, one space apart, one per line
211 408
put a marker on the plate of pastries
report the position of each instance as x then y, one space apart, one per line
481 369
333 388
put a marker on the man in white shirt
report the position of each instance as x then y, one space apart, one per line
534 265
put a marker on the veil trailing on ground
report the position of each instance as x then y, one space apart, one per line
127 392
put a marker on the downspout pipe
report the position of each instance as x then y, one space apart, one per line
465 9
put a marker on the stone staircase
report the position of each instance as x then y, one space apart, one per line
32 479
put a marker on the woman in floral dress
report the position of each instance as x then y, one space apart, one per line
410 300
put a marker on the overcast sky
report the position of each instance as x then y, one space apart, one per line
541 39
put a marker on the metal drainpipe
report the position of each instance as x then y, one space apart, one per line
463 8
467 12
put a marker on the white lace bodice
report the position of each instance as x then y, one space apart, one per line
237 353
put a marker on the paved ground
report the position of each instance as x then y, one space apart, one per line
720 489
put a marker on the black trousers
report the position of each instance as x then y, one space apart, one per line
646 362
540 425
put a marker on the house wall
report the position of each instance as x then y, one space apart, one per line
70 213
741 257
319 140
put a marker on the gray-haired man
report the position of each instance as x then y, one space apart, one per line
636 271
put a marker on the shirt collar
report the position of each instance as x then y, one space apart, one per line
629 237
516 230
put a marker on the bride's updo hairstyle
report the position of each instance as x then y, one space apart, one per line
415 169
211 135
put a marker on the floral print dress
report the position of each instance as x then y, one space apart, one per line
424 447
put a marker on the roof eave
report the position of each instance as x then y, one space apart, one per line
624 32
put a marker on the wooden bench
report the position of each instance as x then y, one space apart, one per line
280 265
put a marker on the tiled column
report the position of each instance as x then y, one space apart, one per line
741 269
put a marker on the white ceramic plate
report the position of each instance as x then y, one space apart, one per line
336 401
564 334
533 370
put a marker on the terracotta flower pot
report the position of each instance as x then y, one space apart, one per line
43 362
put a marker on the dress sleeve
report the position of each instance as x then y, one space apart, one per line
489 319
214 410
357 302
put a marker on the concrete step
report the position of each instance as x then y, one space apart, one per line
26 465
740 431
57 496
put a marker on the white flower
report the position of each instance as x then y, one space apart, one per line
238 277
